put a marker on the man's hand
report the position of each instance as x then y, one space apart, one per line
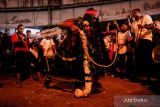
113 31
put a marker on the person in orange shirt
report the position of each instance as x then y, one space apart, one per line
24 58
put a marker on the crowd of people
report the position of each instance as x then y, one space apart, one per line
133 41
24 52
136 41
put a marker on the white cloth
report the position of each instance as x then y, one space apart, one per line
107 41
46 44
145 20
58 37
122 39
34 52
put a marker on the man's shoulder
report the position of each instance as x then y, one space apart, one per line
51 39
146 16
44 39
14 34
119 33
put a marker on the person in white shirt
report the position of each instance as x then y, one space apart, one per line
28 34
143 41
48 47
47 43
124 36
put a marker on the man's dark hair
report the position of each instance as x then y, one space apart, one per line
136 9
28 31
90 9
20 25
6 29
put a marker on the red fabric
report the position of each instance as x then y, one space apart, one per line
69 23
92 12
14 38
111 52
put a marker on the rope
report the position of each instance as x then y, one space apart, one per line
84 41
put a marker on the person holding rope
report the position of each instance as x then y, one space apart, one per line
143 42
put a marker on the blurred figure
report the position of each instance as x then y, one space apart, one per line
1 53
28 34
156 33
1 50
156 49
7 50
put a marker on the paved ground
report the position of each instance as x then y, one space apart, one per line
61 95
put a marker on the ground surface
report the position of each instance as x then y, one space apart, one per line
61 95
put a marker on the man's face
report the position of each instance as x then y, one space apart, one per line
28 33
7 32
124 27
20 29
1 34
135 13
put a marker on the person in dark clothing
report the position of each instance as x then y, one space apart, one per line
7 51
1 50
